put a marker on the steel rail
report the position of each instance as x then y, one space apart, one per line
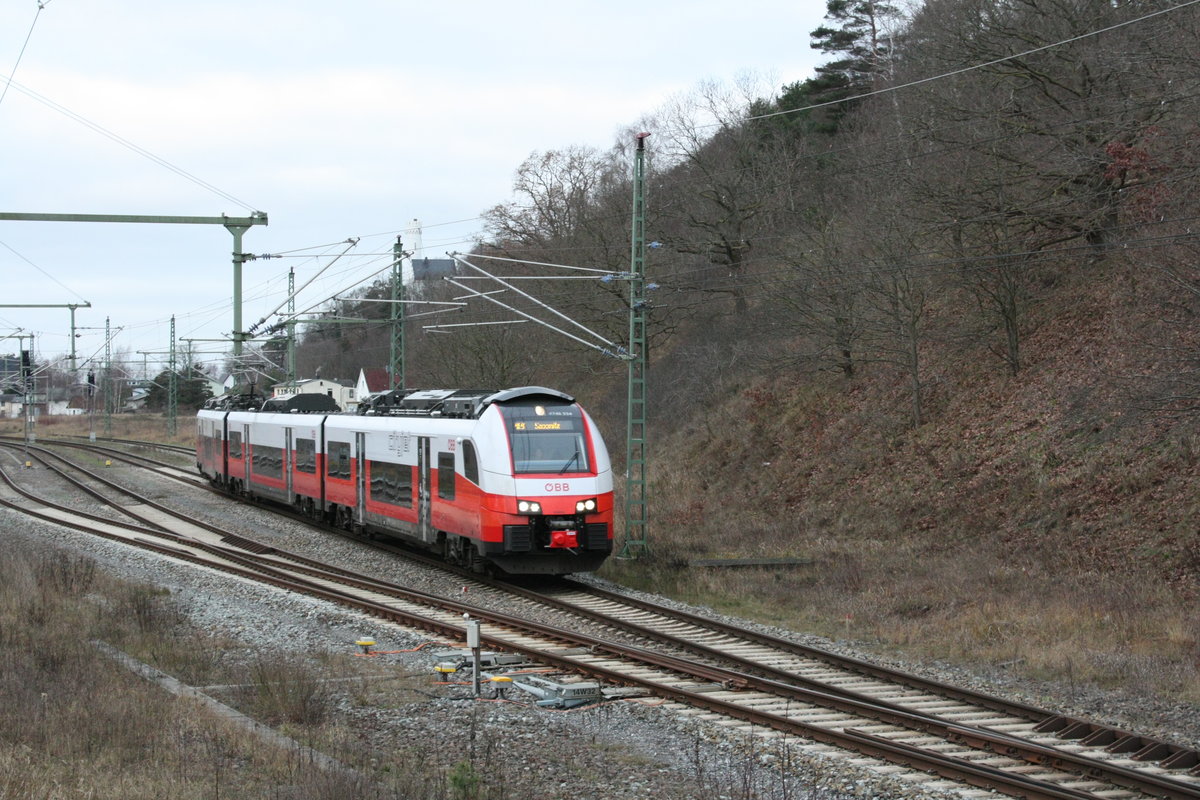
1066 727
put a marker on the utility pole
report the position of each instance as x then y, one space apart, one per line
172 385
635 409
108 381
70 306
28 387
396 363
291 331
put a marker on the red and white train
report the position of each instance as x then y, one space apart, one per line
519 479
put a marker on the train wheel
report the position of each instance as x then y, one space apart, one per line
477 563
455 551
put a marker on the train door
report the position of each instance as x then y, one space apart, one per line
224 445
244 456
424 528
288 465
360 477
322 465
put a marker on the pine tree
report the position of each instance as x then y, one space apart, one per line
859 34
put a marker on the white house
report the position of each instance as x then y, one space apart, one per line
11 405
342 393
370 381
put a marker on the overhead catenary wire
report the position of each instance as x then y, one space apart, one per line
617 351
127 144
287 317
10 249
458 258
537 263
349 244
974 67
474 324
37 15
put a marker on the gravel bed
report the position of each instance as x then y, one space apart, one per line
624 749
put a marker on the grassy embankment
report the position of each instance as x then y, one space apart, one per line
75 724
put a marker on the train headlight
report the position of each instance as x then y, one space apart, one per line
584 506
529 507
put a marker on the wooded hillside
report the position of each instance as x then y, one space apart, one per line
948 285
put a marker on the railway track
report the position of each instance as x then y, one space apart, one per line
713 669
170 448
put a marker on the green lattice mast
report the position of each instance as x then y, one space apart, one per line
635 412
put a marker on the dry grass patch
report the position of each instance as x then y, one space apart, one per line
968 604
75 724
143 427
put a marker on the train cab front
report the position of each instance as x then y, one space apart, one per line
561 517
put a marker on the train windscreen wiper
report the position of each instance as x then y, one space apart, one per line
567 466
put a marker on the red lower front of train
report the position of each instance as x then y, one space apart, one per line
547 533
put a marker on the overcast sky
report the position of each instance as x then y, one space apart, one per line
338 120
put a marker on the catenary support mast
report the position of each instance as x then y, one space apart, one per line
235 225
71 306
291 331
396 365
108 380
173 385
635 412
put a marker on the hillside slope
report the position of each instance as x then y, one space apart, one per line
1046 518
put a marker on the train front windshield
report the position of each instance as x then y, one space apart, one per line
546 438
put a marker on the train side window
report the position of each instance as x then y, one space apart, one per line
235 444
267 461
446 476
338 464
391 483
306 456
470 462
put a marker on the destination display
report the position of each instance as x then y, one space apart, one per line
546 439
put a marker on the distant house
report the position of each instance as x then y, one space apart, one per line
11 405
217 388
137 399
343 392
371 381
63 408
